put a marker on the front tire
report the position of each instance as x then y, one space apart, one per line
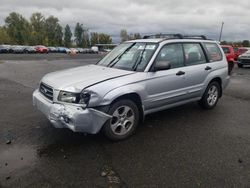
211 96
124 121
240 65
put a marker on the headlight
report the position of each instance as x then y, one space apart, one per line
78 98
69 97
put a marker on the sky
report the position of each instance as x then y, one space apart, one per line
144 16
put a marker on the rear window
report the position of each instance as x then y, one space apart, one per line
236 49
193 54
226 50
214 53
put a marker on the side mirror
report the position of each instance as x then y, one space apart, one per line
162 65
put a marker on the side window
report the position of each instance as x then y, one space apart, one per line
172 53
214 53
194 54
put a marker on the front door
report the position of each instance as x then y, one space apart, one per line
166 86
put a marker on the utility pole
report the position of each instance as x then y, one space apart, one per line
222 24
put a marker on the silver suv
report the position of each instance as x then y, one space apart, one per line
137 78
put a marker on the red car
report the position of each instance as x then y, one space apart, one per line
229 52
236 53
41 49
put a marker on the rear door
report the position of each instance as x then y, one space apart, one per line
198 67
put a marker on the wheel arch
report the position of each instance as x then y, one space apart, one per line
219 81
135 97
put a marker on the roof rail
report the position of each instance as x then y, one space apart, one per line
160 35
195 37
175 36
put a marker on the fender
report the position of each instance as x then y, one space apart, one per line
221 73
124 90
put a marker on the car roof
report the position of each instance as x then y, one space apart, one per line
156 40
227 46
159 40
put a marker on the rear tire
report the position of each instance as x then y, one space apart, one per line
211 96
124 121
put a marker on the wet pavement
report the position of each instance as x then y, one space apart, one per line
180 147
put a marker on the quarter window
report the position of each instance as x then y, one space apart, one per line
214 53
172 53
194 54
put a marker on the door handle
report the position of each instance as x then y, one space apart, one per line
208 68
180 73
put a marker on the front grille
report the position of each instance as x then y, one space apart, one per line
47 91
245 61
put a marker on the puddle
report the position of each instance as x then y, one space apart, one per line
16 158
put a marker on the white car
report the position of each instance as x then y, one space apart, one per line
244 59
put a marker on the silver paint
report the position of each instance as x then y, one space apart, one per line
156 90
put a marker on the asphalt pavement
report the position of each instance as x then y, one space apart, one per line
180 147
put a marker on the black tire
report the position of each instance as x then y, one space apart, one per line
125 124
240 65
204 102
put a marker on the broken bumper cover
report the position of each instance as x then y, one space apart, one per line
69 116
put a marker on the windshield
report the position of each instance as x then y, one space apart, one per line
129 56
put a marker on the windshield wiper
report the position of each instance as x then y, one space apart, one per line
137 63
113 62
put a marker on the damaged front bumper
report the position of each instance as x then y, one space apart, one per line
76 118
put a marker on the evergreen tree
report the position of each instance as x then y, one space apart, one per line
78 34
67 36
53 31
37 23
86 42
58 35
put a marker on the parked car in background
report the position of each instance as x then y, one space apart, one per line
80 50
230 55
41 49
64 50
17 49
242 50
29 49
85 50
4 48
135 79
244 59
52 49
95 49
238 51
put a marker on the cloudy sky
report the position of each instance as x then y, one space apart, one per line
144 16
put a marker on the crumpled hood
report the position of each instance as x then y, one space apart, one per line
78 78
